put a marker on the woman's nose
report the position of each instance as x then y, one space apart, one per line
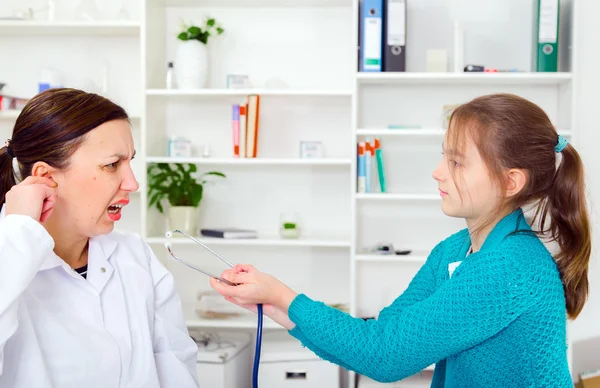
130 183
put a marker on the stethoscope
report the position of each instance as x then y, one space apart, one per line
260 310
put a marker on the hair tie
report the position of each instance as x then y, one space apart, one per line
8 150
562 143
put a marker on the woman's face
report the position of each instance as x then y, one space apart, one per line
98 181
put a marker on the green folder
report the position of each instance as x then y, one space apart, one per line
547 17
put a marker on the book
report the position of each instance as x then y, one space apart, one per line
232 233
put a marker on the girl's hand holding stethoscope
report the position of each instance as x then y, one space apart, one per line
34 197
254 287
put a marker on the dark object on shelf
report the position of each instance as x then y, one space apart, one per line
474 68
388 249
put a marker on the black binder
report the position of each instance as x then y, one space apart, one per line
394 35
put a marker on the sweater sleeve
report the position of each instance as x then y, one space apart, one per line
484 295
421 286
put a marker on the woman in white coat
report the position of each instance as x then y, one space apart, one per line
81 305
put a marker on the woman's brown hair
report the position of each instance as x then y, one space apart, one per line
51 127
512 132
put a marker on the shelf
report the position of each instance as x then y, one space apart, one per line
245 92
13 114
245 321
252 161
9 114
400 132
412 258
71 28
417 132
257 3
272 241
464 78
397 197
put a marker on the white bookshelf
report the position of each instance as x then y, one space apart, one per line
244 92
252 161
508 78
267 241
311 46
45 28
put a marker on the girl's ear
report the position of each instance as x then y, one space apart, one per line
516 179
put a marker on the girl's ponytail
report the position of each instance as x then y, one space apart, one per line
570 228
7 176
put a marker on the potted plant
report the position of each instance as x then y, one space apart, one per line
191 63
183 189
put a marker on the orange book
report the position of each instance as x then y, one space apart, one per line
253 113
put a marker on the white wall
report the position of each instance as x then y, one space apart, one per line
587 63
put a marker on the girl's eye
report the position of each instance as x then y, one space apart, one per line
456 164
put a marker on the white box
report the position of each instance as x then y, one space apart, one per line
286 364
225 363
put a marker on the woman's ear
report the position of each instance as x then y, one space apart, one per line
42 169
516 179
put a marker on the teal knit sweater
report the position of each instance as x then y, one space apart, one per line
499 320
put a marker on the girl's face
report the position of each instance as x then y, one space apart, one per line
97 182
465 184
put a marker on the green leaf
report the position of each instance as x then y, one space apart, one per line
220 30
215 173
289 225
203 38
210 22
196 195
194 32
183 36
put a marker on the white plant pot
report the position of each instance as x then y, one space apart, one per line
184 218
191 65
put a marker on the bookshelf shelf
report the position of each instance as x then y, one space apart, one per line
400 132
391 258
425 132
252 161
9 115
272 241
45 28
13 114
258 3
245 92
245 321
507 78
396 197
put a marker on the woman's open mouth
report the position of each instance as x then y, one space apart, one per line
114 210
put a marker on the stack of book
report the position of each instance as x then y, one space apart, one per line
244 123
370 167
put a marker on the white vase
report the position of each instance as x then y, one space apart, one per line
191 65
184 218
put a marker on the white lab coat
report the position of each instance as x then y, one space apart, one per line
121 327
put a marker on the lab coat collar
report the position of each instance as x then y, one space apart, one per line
99 252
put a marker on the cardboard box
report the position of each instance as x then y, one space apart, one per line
589 380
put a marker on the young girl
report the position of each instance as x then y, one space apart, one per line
489 307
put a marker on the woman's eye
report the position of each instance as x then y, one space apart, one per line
113 165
